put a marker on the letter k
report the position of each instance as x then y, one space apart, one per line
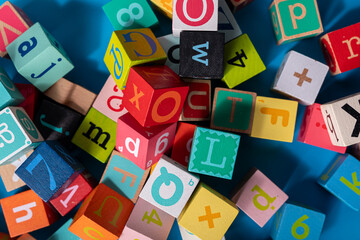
347 108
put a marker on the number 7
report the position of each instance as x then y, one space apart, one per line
36 162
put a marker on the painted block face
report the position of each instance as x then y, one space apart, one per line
242 61
227 23
124 176
39 58
171 46
96 135
30 94
182 143
300 77
297 222
9 94
130 14
313 130
233 110
128 48
274 119
155 95
64 233
295 19
179 185
165 6
259 198
208 214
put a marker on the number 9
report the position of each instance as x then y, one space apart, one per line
204 16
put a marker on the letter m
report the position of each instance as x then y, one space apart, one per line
99 133
201 53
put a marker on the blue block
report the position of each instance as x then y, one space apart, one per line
64 233
9 94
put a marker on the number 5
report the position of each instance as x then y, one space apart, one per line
299 224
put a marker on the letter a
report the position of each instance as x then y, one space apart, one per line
262 193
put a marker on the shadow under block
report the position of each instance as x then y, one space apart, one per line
171 46
314 131
227 23
169 186
208 214
242 61
9 94
259 197
202 55
128 48
96 135
295 19
233 110
124 176
164 6
63 233
30 93
182 143
39 58
26 212
18 134
274 119
296 222
103 214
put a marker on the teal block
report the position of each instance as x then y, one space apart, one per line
39 58
213 153
9 94
64 233
130 14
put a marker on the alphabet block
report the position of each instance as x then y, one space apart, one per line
300 78
171 46
30 94
274 119
18 134
208 214
169 187
132 177
242 61
103 214
313 130
9 94
155 95
128 48
109 100
259 197
26 212
64 233
182 143
227 23
164 6
233 110
202 55
143 146
295 20
96 135
186 235
340 179
238 4
39 58
297 222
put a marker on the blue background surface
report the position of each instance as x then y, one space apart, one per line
84 31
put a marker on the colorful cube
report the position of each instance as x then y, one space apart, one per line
9 94
227 23
171 46
165 6
182 143
186 235
64 233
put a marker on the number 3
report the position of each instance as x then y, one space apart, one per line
204 16
131 14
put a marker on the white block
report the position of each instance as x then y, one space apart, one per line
186 235
171 46
227 23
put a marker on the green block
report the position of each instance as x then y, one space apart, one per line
9 94
213 153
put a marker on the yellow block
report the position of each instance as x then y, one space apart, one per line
208 214
165 6
274 119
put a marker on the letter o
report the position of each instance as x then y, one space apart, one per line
154 113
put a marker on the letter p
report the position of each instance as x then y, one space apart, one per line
294 17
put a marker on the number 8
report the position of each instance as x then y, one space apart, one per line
130 12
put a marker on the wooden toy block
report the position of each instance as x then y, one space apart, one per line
147 222
18 134
169 187
313 130
202 55
171 46
155 95
26 212
235 5
96 135
198 102
164 6
143 146
340 179
213 153
128 48
26 236
202 16
297 222
182 143
242 61
130 14
71 95
340 52
30 94
274 119
109 100
233 110
300 77
354 150
13 23
227 23
64 233
208 214
186 235
9 94
39 58
103 214
124 176
294 20
342 120
4 236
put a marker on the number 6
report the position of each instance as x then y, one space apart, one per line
299 224
131 14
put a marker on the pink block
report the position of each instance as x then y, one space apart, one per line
313 130
259 198
129 234
109 100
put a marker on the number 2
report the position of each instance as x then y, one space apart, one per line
150 218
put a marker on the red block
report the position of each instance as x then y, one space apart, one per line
154 95
30 94
182 143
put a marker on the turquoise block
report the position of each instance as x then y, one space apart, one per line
9 94
64 233
39 58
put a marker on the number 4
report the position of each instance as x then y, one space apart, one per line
151 218
238 57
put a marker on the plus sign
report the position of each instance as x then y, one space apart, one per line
209 217
302 77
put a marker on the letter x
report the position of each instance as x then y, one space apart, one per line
137 96
302 77
347 108
209 217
